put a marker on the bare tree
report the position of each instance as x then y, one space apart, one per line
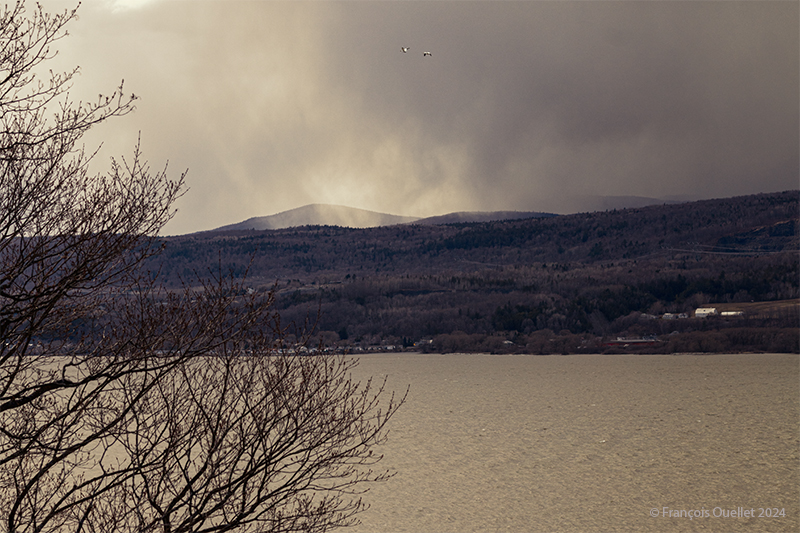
127 407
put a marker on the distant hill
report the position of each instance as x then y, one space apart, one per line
480 216
607 203
349 217
546 284
320 215
594 203
328 247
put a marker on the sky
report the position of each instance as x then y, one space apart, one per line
521 105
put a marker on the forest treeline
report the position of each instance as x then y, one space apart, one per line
543 285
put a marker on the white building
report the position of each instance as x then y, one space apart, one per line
703 312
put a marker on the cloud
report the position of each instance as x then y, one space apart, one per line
118 6
522 105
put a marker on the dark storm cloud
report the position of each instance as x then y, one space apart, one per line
522 105
607 98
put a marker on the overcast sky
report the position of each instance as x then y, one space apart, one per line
520 106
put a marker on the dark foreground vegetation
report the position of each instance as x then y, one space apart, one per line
125 407
623 280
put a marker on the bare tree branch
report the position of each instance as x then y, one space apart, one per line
127 407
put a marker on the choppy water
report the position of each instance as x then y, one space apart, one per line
589 443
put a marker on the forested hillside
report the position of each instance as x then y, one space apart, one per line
542 285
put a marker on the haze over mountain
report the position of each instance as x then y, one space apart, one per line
350 217
320 215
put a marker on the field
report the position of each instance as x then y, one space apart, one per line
761 310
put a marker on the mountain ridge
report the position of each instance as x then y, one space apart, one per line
320 214
351 217
563 284
741 225
461 217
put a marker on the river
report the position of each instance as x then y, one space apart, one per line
589 443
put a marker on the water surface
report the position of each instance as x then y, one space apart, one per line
589 443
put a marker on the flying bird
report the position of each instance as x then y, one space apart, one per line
426 54
405 49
